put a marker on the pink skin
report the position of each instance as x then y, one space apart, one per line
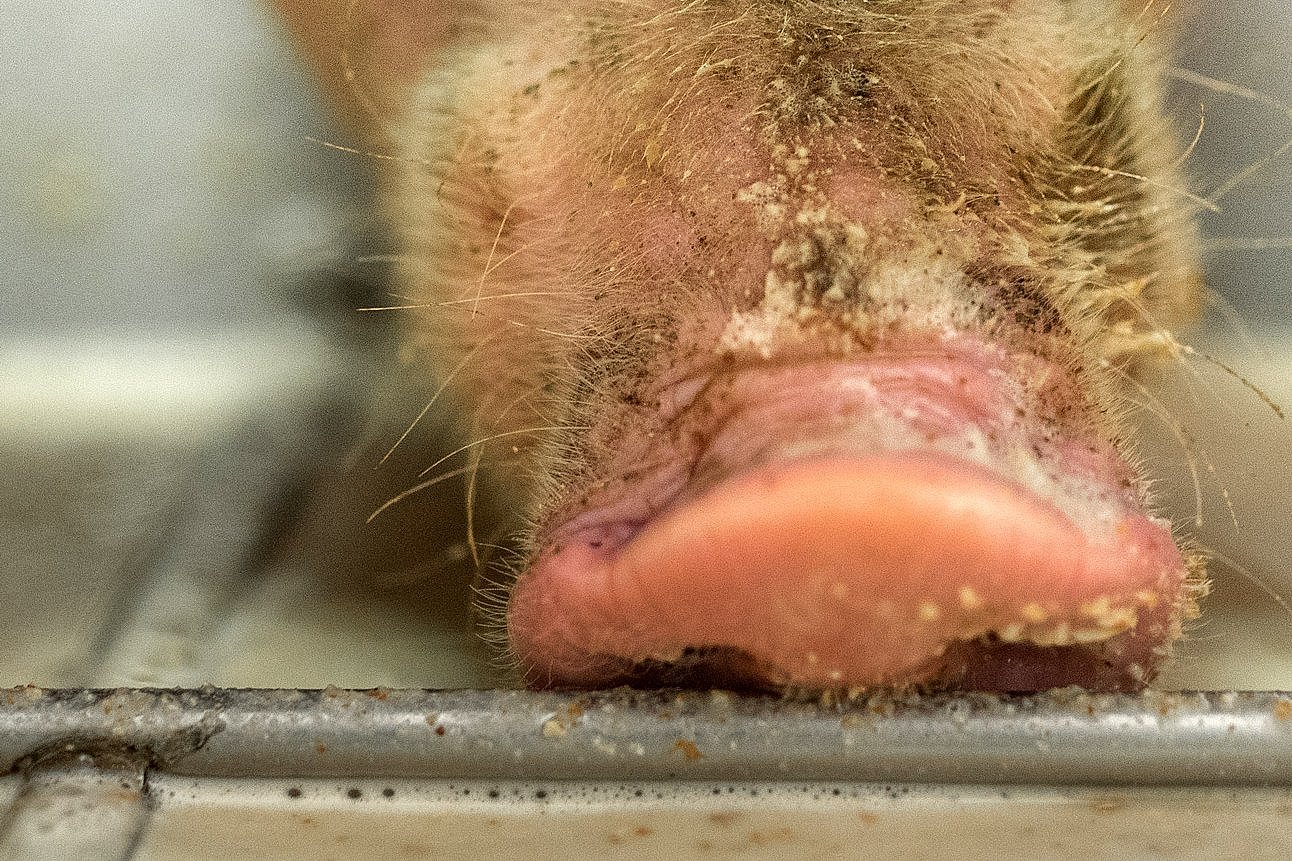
829 509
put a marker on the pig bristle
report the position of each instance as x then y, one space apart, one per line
1154 406
1187 614
1210 553
492 590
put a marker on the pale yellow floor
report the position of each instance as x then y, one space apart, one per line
432 821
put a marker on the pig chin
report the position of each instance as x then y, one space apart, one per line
938 513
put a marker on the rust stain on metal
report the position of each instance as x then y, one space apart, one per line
688 748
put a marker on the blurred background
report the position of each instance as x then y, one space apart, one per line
194 411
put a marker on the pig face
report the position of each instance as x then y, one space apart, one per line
796 334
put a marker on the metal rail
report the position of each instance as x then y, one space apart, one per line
1065 737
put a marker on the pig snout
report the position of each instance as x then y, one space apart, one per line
797 333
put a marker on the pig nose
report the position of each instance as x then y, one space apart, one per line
852 572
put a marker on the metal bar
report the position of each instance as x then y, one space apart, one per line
1064 737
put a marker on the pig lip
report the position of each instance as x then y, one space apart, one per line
834 566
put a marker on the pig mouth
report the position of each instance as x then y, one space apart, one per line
911 517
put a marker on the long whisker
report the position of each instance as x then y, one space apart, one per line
472 477
1238 324
400 497
1247 575
368 153
1248 384
1197 136
493 250
1209 204
1246 174
498 436
526 295
418 306
448 380
1159 410
1224 87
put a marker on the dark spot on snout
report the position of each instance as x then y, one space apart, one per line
1019 295
858 81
